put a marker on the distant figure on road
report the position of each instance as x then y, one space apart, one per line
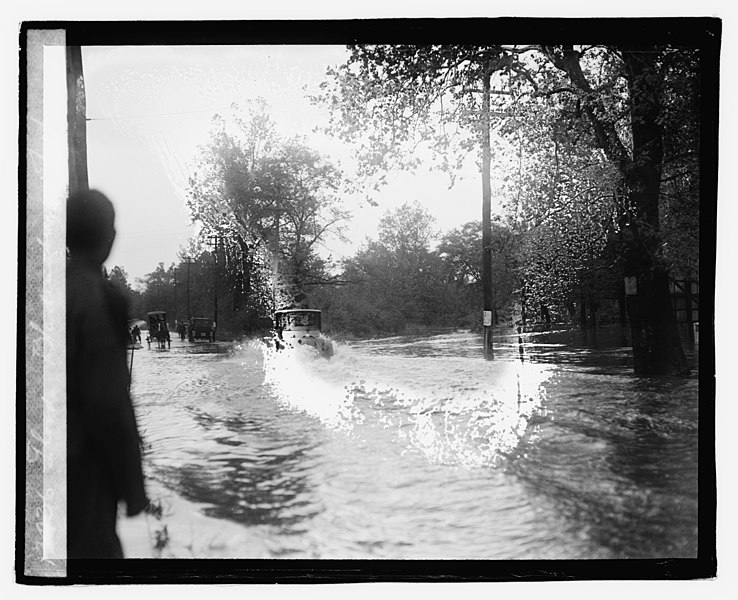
103 452
136 334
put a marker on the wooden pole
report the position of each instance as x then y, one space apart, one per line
487 314
188 260
215 284
214 240
76 121
176 316
130 370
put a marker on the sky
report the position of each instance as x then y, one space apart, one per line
150 107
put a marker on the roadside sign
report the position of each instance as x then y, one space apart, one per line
631 286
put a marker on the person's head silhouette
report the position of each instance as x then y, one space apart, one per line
90 225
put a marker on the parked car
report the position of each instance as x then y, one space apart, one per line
202 328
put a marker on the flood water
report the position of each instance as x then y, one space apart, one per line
421 448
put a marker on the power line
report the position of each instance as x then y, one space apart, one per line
170 114
152 232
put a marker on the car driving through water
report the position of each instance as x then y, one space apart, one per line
300 327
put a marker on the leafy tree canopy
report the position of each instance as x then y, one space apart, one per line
274 199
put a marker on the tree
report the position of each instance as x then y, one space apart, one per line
119 278
559 196
459 251
404 237
395 267
266 201
679 204
633 88
305 189
159 289
397 282
183 290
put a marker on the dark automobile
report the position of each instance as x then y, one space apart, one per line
294 328
202 328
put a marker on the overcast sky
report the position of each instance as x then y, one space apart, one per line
149 107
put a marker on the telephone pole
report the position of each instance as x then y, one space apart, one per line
174 271
188 260
275 253
76 121
214 240
488 309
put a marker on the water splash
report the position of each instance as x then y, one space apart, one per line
292 377
449 411
474 424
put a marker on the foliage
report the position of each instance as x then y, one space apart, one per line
680 189
398 283
560 199
640 108
394 103
459 252
268 202
119 278
160 290
394 283
635 78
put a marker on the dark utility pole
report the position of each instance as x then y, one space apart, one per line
215 284
188 260
174 271
275 256
76 121
214 239
488 311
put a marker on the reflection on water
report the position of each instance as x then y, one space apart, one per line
420 448
619 460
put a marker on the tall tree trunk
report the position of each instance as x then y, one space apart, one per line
656 346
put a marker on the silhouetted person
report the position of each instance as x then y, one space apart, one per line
103 452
